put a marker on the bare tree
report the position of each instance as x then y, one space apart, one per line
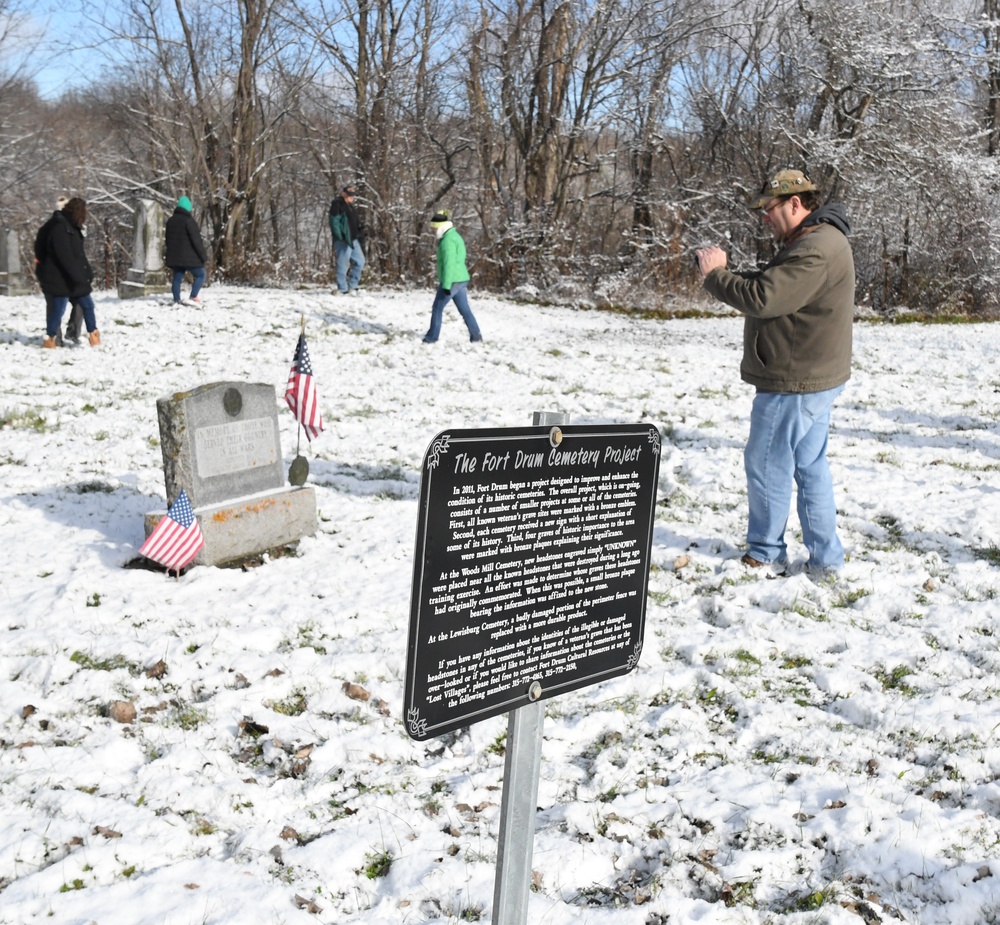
378 119
199 111
25 119
595 139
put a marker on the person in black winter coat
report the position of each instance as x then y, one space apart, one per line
74 324
185 251
63 270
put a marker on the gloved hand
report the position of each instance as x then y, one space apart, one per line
446 291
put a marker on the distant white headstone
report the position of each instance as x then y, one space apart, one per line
146 275
11 282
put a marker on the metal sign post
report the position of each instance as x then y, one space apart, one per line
521 770
522 766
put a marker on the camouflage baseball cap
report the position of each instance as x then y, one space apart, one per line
783 183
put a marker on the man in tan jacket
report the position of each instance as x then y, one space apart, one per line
799 311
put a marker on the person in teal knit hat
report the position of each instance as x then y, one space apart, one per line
185 251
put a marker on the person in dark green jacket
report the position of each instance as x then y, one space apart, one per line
453 278
348 241
797 332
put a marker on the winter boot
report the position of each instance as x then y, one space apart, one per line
49 343
95 338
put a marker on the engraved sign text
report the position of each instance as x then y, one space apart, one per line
235 446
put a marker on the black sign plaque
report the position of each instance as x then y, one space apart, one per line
530 569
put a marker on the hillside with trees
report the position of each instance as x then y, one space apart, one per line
592 140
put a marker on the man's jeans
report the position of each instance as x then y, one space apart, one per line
197 280
346 255
460 297
788 437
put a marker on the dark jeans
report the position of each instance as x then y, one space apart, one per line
55 308
197 276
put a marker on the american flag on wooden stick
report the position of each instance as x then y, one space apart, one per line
300 393
177 538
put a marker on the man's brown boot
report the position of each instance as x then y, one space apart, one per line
95 338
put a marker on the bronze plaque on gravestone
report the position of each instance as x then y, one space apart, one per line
530 568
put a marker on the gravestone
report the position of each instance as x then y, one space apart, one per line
220 444
147 274
11 282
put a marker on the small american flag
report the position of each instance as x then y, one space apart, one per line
300 393
177 538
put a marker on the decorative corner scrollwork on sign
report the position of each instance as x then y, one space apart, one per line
438 448
417 726
654 439
633 659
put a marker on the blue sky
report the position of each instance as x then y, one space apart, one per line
52 48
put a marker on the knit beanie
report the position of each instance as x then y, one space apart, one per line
184 203
440 218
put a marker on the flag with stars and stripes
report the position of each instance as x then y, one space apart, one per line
177 538
300 393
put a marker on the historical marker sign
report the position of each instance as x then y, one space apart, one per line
531 567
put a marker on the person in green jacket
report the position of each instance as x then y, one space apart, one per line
453 278
797 333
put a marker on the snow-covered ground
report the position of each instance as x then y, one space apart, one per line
787 750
